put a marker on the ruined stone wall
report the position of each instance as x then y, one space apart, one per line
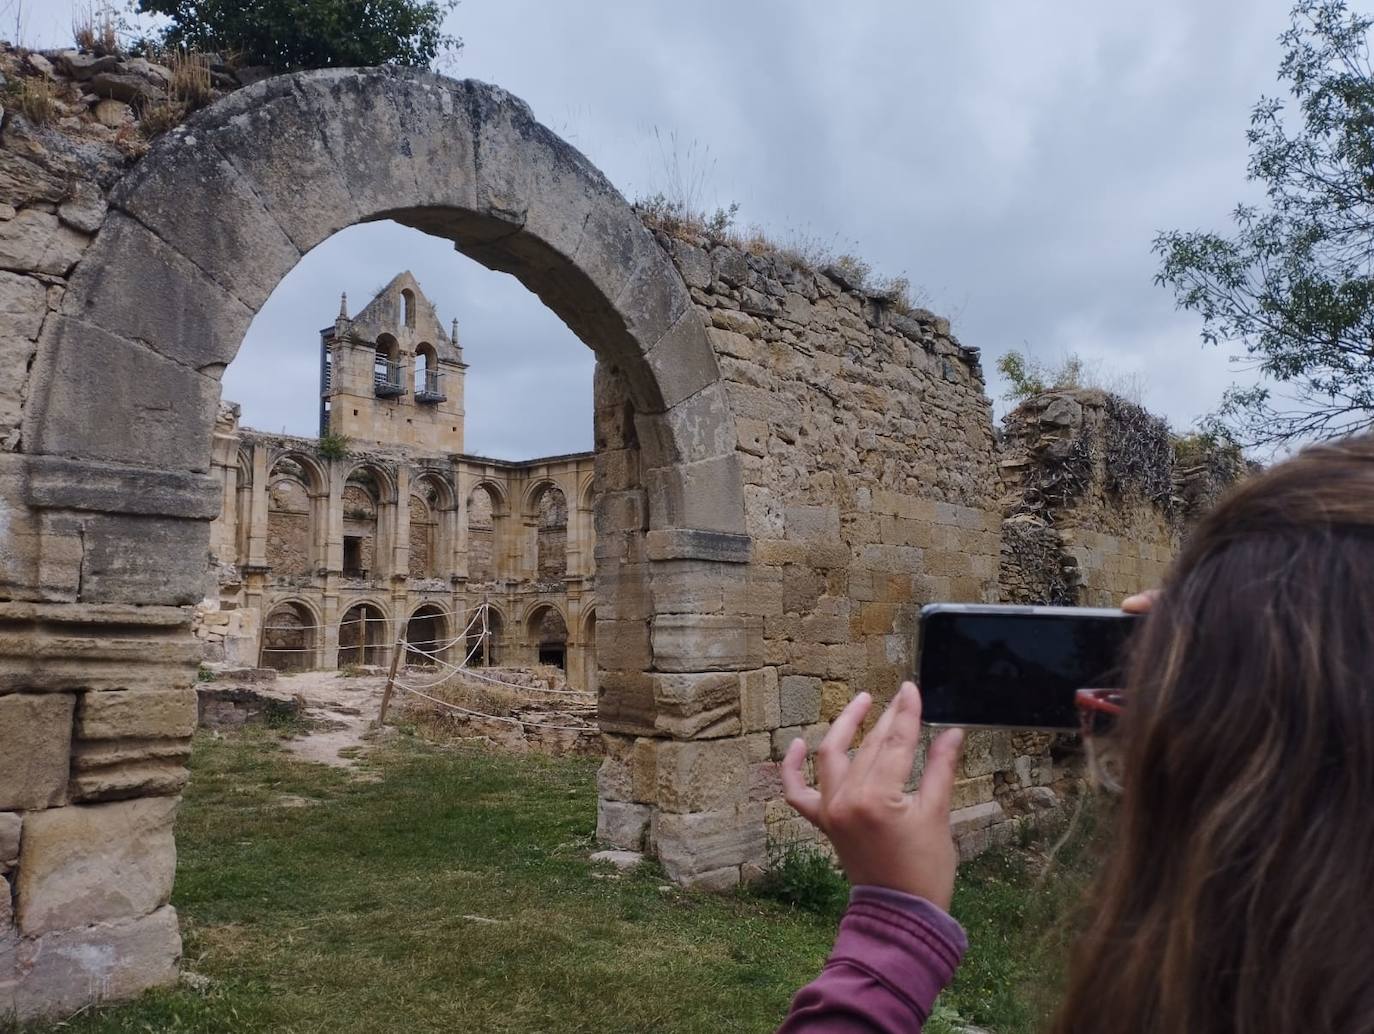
1089 499
92 746
868 455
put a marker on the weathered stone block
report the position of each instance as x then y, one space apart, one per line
64 971
975 817
9 973
760 704
136 714
23 304
809 523
691 586
693 844
143 409
95 863
835 695
968 792
625 701
623 645
700 775
706 494
800 699
812 734
36 242
717 881
622 824
613 779
138 559
706 642
685 370
121 780
703 705
35 747
985 752
189 318
10 823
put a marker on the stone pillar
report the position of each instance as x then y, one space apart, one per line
224 456
400 526
257 517
333 554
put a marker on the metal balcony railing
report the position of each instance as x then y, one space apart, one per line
386 380
431 390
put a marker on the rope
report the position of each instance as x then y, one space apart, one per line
495 717
469 673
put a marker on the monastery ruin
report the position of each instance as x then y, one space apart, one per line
322 561
786 467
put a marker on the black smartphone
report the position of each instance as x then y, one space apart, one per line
1017 667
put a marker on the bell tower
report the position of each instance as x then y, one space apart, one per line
391 375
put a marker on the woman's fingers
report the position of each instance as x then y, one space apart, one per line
942 765
805 799
1141 602
893 746
832 757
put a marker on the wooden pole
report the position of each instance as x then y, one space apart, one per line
398 651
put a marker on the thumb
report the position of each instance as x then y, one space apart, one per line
942 764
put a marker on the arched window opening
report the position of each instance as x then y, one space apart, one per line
422 535
549 634
288 638
481 531
429 388
408 307
360 498
552 538
426 632
386 369
484 639
289 542
589 646
362 636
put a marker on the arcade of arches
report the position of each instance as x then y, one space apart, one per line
327 562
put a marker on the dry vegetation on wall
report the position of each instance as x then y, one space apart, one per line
98 91
680 219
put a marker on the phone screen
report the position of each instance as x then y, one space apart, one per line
1017 669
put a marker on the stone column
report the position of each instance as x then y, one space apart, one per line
333 553
257 518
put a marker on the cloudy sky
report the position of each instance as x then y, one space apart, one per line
1014 160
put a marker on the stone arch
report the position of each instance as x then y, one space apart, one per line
428 627
364 631
198 234
431 514
547 628
546 507
163 297
386 367
426 370
296 489
484 510
481 653
291 638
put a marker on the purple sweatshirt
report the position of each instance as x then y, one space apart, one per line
894 953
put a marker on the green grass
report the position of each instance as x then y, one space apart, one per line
454 894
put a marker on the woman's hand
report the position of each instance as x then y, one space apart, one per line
884 836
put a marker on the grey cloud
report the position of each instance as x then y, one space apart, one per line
1013 160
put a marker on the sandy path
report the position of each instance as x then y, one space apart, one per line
340 713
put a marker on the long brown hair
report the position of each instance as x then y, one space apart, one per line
1239 896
